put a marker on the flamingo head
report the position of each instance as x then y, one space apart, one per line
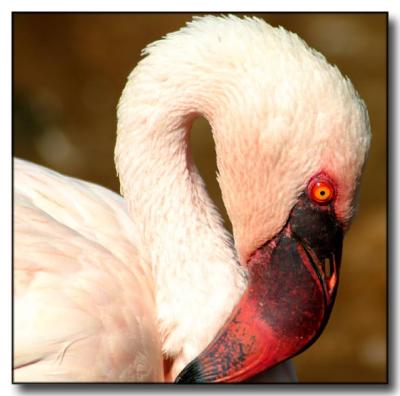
292 283
289 178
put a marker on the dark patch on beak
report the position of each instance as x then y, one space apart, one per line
191 374
321 236
293 280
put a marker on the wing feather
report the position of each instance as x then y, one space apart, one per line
84 305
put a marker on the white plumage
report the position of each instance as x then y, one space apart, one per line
84 303
105 288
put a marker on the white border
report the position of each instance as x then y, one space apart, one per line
8 6
206 5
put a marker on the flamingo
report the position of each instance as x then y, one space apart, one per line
149 286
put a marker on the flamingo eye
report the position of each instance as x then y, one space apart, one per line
321 191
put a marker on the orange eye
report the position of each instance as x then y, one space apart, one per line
321 191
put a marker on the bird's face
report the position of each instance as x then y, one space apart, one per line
291 289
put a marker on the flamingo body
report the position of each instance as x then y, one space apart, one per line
83 297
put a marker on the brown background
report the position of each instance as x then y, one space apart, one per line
69 70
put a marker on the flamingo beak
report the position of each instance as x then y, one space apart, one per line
291 290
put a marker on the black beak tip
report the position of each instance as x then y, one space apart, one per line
191 374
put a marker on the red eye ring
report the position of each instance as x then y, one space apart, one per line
321 191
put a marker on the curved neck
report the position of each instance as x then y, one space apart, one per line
182 236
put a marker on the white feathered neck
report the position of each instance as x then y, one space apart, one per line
273 105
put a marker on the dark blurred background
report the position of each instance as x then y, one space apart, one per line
68 72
